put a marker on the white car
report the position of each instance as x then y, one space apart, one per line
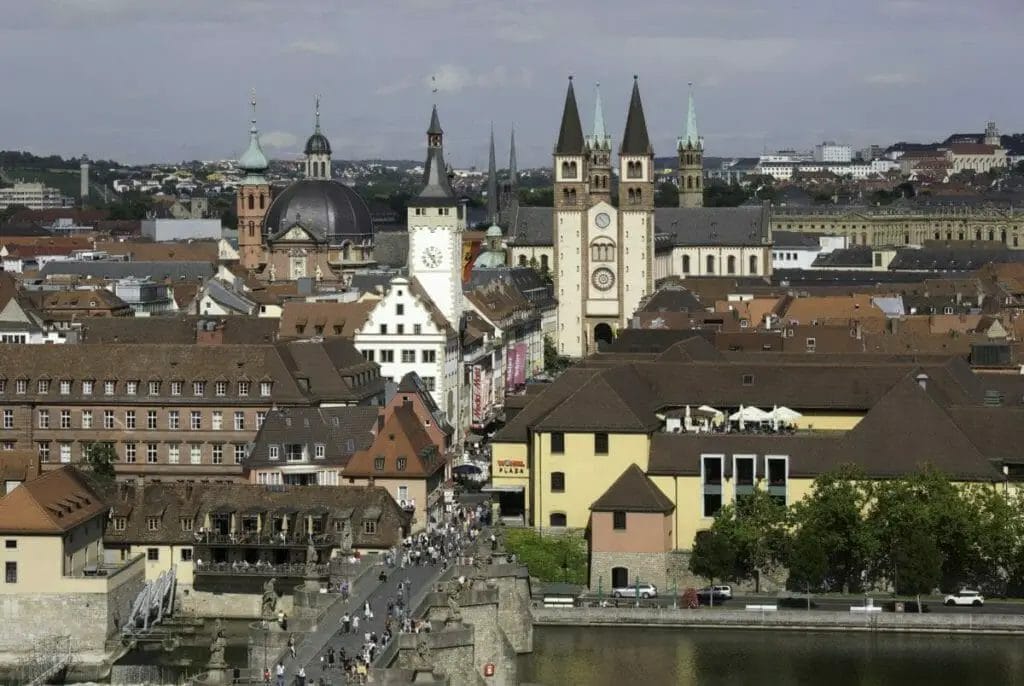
965 597
724 591
645 591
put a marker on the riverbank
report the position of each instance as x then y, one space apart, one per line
787 620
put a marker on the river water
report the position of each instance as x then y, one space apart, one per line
608 656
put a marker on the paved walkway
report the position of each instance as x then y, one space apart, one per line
328 632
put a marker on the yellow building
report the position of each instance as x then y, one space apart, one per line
885 415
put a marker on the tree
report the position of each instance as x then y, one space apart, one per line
917 563
721 194
714 554
554 363
666 195
830 521
99 460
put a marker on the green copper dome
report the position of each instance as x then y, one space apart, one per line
253 160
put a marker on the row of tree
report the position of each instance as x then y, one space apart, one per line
912 535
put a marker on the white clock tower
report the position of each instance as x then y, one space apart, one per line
436 222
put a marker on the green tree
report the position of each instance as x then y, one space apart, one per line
131 206
715 554
561 557
830 521
666 195
721 194
917 563
99 461
554 363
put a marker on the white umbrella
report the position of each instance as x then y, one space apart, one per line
751 414
784 414
711 410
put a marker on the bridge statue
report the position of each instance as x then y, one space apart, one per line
217 647
453 590
269 598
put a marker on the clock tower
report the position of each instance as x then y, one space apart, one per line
436 222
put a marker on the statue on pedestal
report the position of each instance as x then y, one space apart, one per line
269 598
453 590
422 659
310 558
217 647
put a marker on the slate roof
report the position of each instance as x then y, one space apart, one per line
796 239
156 271
437 189
570 133
714 225
163 251
228 297
635 140
51 504
176 329
671 299
529 225
952 258
342 430
856 257
633 491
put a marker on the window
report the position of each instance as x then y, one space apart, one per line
777 473
383 329
408 356
748 379
195 420
8 419
430 383
108 419
173 453
3 385
217 456
428 356
558 482
11 572
399 309
153 554
378 464
43 448
320 451
401 463
129 453
217 420
557 442
239 453
243 389
711 477
65 419
753 265
221 388
239 421
131 387
44 419
186 554
176 387
600 444
198 388
21 387
265 388
65 387
369 526
744 473
710 267
43 386
387 355
151 452
417 329
65 452
151 420
109 387
686 264
129 419
154 388
195 453
173 420
260 418
273 452
730 264
557 519
619 520
368 355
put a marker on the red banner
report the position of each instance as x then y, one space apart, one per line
520 368
477 417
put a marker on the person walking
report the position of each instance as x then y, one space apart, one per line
300 678
355 624
346 623
291 645
279 671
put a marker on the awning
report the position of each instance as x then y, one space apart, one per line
467 469
503 489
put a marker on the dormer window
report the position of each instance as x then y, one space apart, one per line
176 387
131 388
378 464
221 389
153 523
43 386
65 387
21 386
187 523
109 387
400 464
120 523
198 388
154 388
243 388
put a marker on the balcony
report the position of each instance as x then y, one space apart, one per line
280 539
285 570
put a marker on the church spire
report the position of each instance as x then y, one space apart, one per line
437 188
492 184
253 161
635 140
513 166
318 149
690 138
600 136
570 134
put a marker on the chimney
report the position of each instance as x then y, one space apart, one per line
922 381
380 422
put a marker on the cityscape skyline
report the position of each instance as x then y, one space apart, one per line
764 79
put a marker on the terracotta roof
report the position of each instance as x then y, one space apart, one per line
324 318
170 251
971 149
51 504
95 299
18 465
633 491
832 309
401 438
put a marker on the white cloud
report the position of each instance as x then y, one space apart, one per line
395 87
451 78
314 47
894 78
279 139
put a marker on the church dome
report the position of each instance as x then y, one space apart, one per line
330 210
317 144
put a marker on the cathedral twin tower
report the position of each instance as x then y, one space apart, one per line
604 255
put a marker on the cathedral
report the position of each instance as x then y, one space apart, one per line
316 227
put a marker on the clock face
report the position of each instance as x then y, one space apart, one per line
432 257
602 220
603 279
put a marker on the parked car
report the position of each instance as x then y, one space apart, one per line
645 591
725 590
711 595
965 596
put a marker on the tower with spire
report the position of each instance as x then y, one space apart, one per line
492 184
691 160
318 150
253 198
436 222
510 189
599 152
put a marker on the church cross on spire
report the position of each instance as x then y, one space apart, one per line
316 115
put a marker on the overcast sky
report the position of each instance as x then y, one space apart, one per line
149 80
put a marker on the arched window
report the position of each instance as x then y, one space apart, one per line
252 202
696 182
991 235
639 196
620 577
730 263
634 170
522 260
977 234
565 195
572 196
753 265
631 194
863 239
689 182
686 264
572 170
557 519
263 200
710 269
602 250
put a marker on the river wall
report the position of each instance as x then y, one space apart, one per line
792 620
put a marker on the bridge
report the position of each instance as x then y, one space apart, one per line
150 606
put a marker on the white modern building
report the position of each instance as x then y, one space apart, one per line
181 229
34 196
794 250
830 151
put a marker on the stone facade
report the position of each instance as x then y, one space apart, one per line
644 567
678 573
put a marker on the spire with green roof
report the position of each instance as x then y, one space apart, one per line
253 162
690 138
600 138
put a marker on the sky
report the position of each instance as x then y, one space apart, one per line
149 80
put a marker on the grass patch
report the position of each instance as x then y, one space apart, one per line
551 557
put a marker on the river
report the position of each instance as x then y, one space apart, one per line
608 656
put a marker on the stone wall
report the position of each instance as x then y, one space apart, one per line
645 567
514 608
678 572
227 605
